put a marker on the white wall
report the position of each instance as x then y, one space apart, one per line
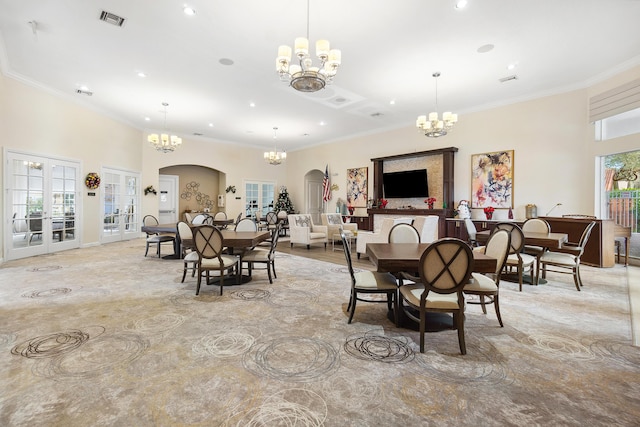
554 148
555 151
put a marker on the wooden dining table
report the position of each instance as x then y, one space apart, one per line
396 257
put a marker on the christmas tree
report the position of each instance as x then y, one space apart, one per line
284 203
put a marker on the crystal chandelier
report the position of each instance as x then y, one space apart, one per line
306 77
275 157
433 127
164 142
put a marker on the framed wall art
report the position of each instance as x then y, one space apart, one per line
492 180
357 184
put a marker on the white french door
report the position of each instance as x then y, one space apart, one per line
120 205
259 197
42 204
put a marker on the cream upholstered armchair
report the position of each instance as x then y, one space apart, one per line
303 231
333 221
380 236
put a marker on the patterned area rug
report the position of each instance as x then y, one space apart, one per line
103 336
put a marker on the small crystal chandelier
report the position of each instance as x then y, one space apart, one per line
305 77
433 127
275 157
164 142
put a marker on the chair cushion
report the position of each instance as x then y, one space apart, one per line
480 283
559 258
435 300
227 261
526 259
256 255
334 220
317 235
160 238
375 280
303 221
191 257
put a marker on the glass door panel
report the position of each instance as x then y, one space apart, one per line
120 205
41 203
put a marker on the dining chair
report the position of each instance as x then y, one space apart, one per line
271 220
535 225
209 247
517 259
283 217
369 282
484 285
445 268
567 257
427 227
219 216
238 218
187 248
156 238
199 219
264 256
404 233
246 224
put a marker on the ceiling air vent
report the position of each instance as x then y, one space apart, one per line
508 78
84 92
111 18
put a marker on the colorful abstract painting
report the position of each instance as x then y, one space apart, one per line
492 180
357 184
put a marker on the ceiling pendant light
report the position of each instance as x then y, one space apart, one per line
164 142
306 77
432 126
275 157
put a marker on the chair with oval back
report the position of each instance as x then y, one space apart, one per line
209 246
485 285
566 257
535 225
189 255
199 219
264 256
445 268
404 233
156 238
517 259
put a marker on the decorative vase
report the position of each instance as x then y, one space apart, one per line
430 205
351 211
489 215
510 214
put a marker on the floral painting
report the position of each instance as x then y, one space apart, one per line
357 184
492 180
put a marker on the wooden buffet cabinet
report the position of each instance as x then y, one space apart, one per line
599 251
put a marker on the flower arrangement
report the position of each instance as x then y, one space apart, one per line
430 201
150 189
488 211
92 181
383 203
231 189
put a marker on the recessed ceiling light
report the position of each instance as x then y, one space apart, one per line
189 11
392 102
84 88
252 104
322 123
512 66
141 74
461 4
485 48
210 125
146 119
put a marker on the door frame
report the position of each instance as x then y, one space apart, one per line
174 181
48 244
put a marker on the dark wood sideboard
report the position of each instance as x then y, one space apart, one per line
599 251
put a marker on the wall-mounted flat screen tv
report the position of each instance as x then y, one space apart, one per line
405 184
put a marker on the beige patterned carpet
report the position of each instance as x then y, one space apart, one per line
105 337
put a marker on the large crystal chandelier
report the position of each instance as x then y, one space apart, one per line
275 157
433 127
164 142
306 77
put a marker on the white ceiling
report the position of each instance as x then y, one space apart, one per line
390 49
